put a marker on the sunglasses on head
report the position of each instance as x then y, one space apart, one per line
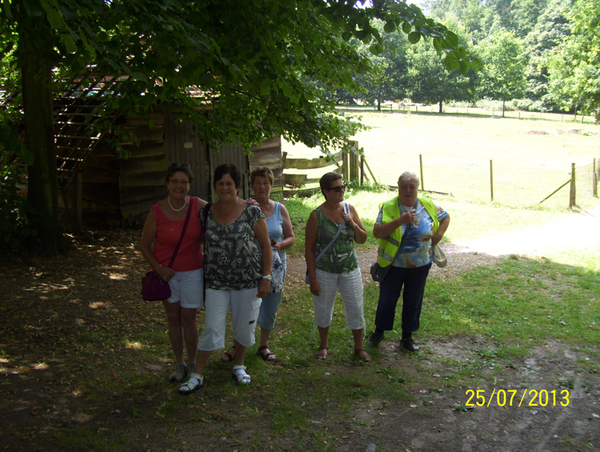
339 188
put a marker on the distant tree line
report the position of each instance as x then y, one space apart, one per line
542 55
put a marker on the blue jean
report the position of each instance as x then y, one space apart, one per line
268 310
413 280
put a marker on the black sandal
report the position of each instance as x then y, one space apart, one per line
266 356
228 355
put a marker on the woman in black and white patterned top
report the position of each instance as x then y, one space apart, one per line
237 270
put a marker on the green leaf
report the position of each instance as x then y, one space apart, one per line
361 34
139 76
265 87
414 37
452 39
451 62
389 27
376 49
33 8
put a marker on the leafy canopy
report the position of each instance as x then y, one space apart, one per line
246 60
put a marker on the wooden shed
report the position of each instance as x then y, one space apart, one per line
97 185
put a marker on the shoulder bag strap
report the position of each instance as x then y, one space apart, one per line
336 236
187 220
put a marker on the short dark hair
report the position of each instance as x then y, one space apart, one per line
179 167
262 171
228 168
326 180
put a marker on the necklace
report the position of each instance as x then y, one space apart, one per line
174 209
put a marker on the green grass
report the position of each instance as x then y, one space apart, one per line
503 313
521 302
531 158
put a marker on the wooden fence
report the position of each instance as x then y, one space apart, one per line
303 181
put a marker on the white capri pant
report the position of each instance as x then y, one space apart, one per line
351 290
244 305
187 288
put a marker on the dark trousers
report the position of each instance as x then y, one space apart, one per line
413 280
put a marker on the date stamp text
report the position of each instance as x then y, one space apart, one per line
519 398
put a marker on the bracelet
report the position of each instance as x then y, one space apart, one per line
159 265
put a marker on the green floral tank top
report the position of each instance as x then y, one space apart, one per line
341 256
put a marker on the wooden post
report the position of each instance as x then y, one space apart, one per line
595 179
78 217
362 171
572 191
345 162
492 179
371 172
353 161
421 165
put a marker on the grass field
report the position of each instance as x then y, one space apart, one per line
530 158
84 361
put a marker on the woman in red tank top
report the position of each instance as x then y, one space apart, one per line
160 237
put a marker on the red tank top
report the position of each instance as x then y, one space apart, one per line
189 257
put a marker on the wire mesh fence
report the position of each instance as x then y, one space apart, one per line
550 184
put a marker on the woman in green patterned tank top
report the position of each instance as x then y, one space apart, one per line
330 233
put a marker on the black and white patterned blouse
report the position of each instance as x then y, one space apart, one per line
232 255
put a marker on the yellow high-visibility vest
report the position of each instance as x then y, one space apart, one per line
388 246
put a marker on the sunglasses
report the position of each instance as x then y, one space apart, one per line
339 188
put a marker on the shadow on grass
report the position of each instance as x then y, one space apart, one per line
84 361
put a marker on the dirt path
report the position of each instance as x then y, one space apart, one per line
575 232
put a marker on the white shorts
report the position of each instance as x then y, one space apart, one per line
244 305
351 290
187 288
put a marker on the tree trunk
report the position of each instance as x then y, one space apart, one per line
503 102
440 110
39 133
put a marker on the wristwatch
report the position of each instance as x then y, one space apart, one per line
267 277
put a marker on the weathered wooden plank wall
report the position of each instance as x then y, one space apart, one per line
142 173
127 187
184 144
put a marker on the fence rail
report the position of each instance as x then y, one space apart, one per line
303 180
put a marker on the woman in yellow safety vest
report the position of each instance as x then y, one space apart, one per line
408 227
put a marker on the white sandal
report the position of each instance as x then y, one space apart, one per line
239 374
193 384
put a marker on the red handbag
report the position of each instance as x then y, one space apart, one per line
153 286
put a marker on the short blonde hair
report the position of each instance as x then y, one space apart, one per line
409 175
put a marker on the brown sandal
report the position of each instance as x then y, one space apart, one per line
366 358
322 355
